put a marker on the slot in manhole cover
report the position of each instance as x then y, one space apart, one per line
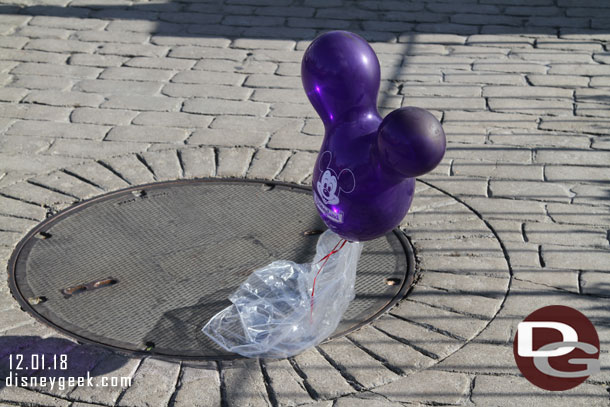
143 269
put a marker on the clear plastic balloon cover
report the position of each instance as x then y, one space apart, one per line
274 313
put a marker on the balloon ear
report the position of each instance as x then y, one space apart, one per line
324 161
346 181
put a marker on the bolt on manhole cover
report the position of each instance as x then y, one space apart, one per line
143 269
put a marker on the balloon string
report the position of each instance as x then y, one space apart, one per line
325 260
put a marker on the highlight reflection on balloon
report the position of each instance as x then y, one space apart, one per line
363 180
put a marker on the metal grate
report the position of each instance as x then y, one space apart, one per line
143 269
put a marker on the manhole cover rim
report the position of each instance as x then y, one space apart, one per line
46 224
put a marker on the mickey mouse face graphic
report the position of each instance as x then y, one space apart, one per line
330 185
327 188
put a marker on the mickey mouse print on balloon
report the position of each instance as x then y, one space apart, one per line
341 77
330 186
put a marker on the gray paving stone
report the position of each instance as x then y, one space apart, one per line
12 94
153 384
568 44
577 258
24 144
530 190
191 40
209 77
436 103
503 390
36 195
491 119
478 306
67 184
40 82
474 285
133 50
206 91
172 119
262 124
62 149
19 395
43 32
273 81
218 106
13 224
165 164
424 340
8 238
391 351
33 56
136 74
160 63
561 81
98 175
458 325
31 68
12 319
198 163
321 376
67 99
147 134
103 116
591 194
245 384
595 283
551 233
233 162
111 36
58 130
15 207
141 25
482 358
533 138
199 386
474 246
290 140
578 214
529 106
564 156
111 87
356 363
298 167
266 164
228 138
288 386
498 208
137 102
582 69
248 66
130 168
197 52
54 45
414 89
484 78
592 109
548 56
449 388
455 230
71 23
96 60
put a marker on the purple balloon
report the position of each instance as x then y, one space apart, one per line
363 177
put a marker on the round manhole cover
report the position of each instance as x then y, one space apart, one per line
143 269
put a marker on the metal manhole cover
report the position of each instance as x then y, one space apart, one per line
143 269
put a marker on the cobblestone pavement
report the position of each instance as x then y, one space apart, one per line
98 95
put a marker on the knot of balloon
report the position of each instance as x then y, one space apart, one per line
364 176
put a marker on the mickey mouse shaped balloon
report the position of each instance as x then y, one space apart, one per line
364 176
